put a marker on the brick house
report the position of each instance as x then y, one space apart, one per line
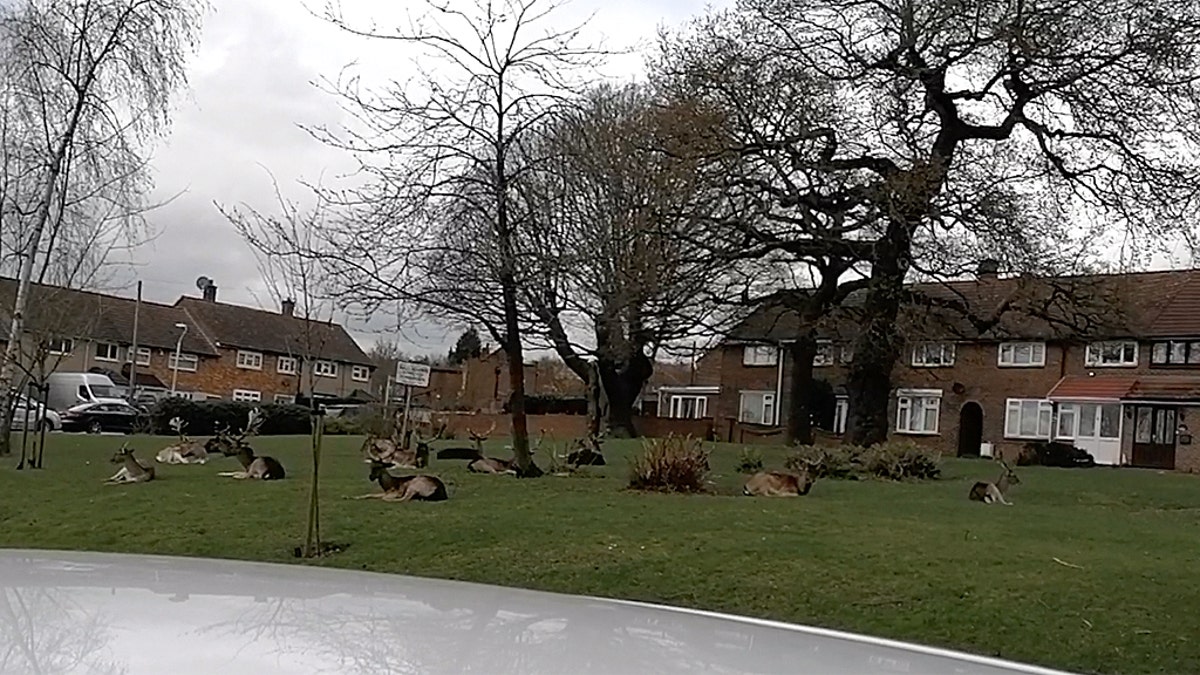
1110 363
227 351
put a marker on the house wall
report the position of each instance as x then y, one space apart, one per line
222 375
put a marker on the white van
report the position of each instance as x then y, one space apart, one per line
71 389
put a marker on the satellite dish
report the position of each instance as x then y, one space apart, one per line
203 282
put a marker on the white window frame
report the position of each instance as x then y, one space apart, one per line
284 399
1011 360
1126 358
292 369
249 360
1044 410
60 346
184 360
354 373
841 412
911 405
760 355
933 355
826 354
767 402
248 395
1076 411
676 404
325 369
113 347
143 356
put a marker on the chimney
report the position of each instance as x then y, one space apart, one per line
988 270
287 307
210 292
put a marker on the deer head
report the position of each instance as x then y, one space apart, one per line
378 469
478 437
1009 477
120 455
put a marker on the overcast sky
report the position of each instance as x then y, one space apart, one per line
251 85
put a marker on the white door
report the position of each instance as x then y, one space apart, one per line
1094 427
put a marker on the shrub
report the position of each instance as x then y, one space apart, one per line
346 426
203 419
894 460
1055 453
671 464
749 461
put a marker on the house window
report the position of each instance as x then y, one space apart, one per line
1022 354
760 355
1116 354
61 347
688 407
1027 418
1175 353
143 356
847 352
186 362
249 360
360 373
933 354
284 399
826 354
107 351
917 411
757 407
325 369
1089 421
287 365
247 395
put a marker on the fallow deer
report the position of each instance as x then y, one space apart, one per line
468 453
589 452
781 483
186 451
992 493
405 488
492 465
262 468
132 470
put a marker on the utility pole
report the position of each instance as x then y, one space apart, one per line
133 350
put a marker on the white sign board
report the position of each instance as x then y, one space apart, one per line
412 374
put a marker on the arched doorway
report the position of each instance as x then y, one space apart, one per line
970 430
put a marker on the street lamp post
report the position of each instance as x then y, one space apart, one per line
178 346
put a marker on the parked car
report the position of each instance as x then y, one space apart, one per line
97 417
153 614
38 415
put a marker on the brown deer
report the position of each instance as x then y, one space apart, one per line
132 470
472 453
261 468
781 483
186 451
992 493
405 488
492 465
589 452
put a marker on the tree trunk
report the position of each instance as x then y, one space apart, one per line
597 405
877 348
622 383
799 419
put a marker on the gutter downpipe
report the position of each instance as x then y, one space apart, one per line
779 384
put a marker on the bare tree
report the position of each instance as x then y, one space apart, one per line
279 242
85 83
614 204
945 128
434 227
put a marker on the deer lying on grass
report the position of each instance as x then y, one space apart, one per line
263 468
589 453
405 488
492 465
991 493
389 451
781 483
468 453
186 451
133 471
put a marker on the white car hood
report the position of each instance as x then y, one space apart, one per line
110 613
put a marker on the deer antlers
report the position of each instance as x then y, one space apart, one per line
476 436
253 421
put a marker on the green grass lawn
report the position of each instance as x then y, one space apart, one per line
917 562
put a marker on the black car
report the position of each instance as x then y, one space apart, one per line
97 417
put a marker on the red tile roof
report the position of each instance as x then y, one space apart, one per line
1127 387
1074 387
